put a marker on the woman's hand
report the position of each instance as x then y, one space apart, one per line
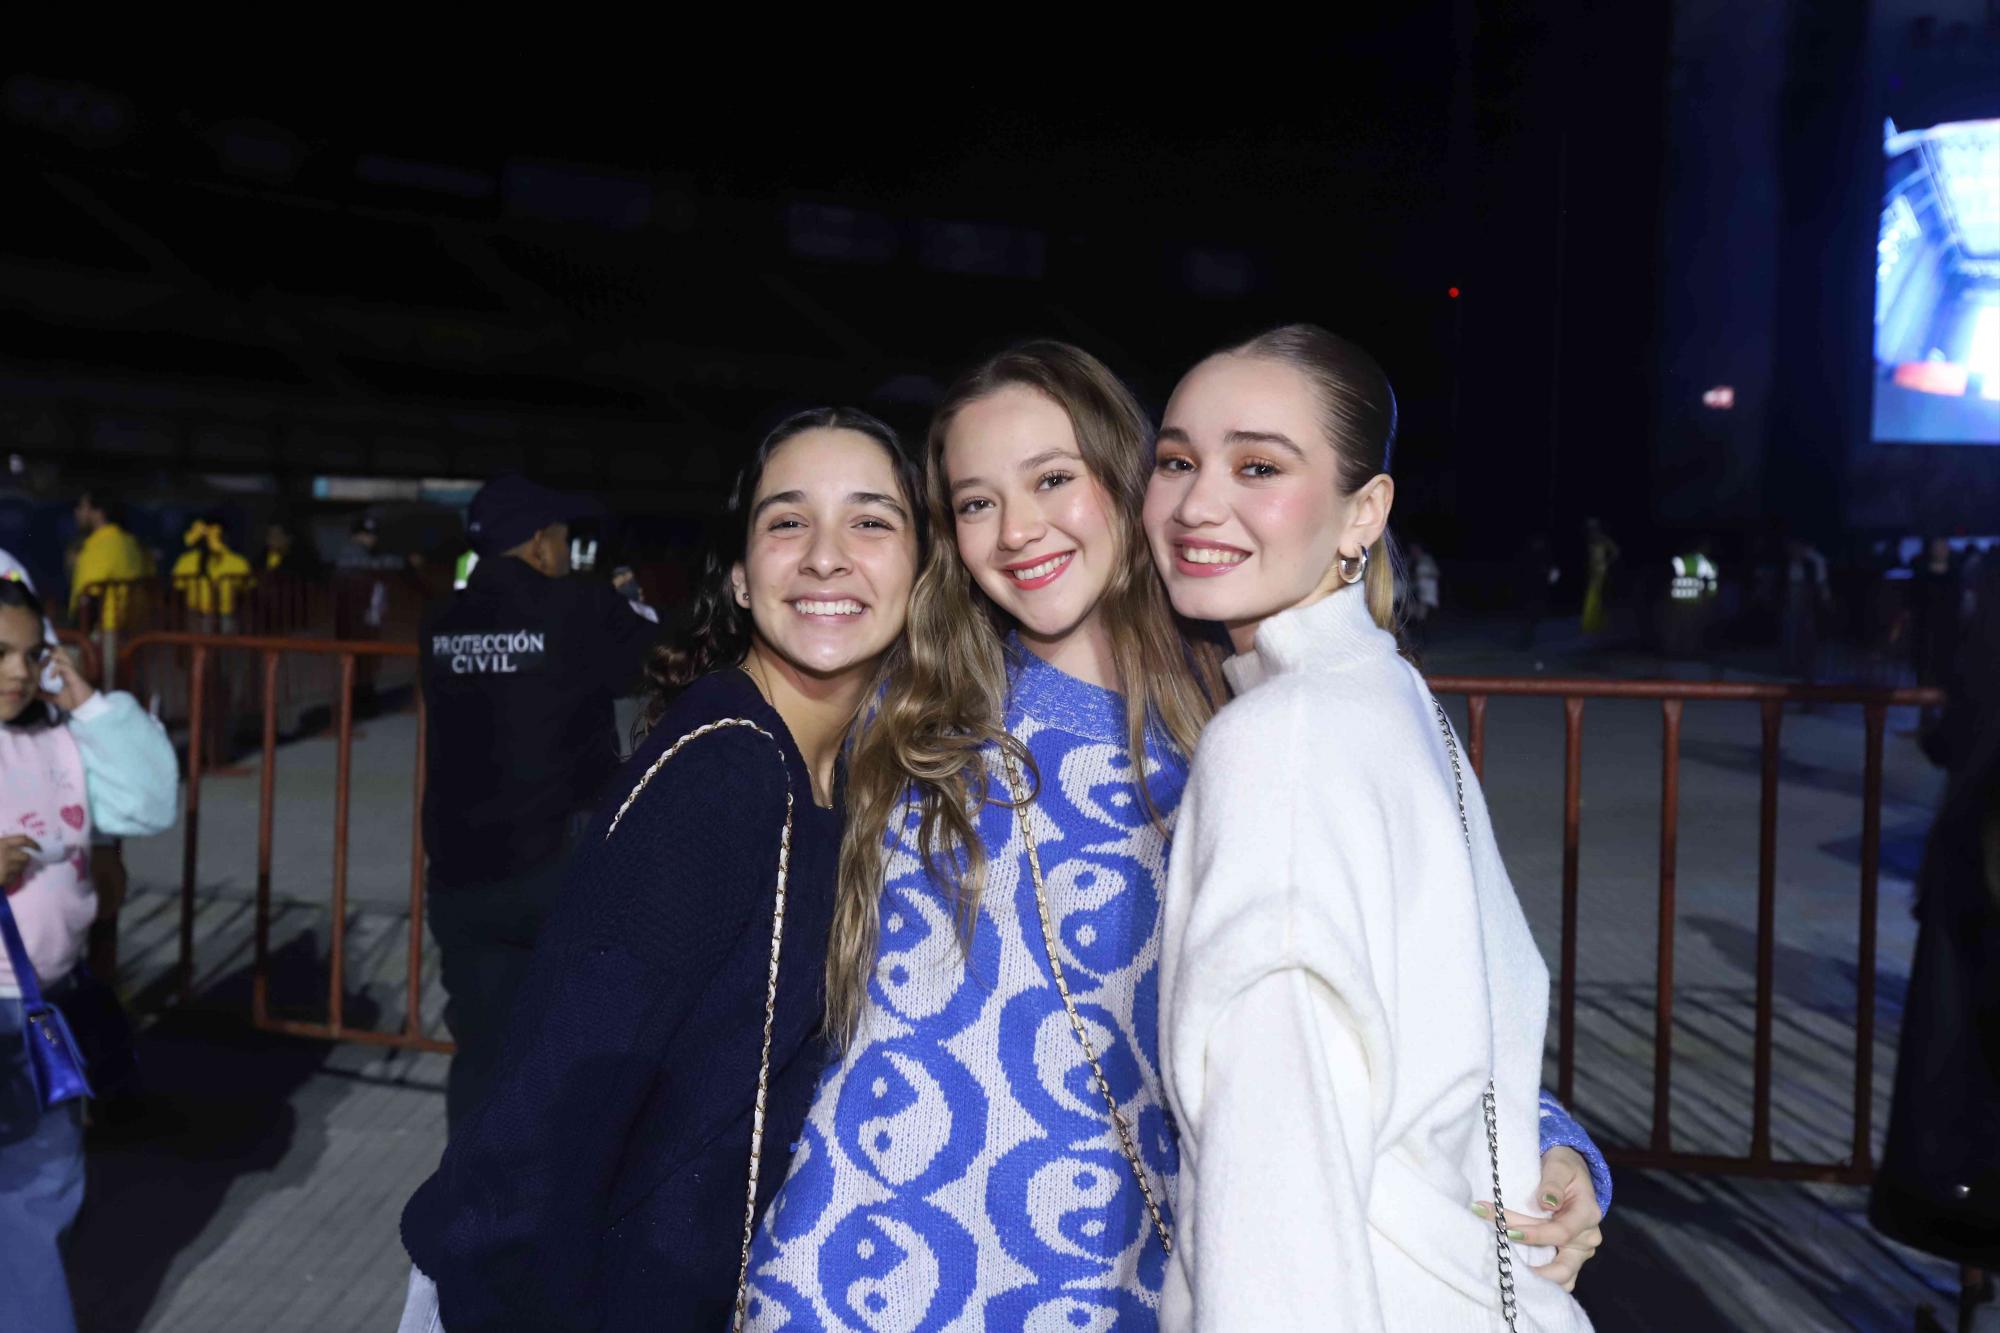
16 855
76 691
1573 1228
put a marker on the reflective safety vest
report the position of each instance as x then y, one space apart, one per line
462 574
1695 577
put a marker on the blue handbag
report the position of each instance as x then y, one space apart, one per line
54 1060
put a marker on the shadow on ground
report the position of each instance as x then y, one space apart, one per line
1640 1282
217 1107
1635 1282
1799 975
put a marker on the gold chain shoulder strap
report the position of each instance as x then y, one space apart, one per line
1127 1142
770 986
1487 1100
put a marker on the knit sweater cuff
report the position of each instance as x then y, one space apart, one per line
1560 1131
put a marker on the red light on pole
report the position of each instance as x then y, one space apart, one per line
1452 292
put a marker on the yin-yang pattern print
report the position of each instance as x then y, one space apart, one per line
959 1168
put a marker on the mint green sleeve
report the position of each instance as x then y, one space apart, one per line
130 771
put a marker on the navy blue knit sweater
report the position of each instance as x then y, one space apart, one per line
601 1184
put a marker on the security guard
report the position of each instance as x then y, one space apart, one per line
519 673
1691 602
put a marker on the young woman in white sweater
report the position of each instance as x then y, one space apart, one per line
1345 968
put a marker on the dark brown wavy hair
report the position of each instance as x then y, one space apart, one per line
718 632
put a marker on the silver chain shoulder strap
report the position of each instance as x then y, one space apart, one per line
1501 1248
1127 1140
770 986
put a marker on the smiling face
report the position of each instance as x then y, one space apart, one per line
22 653
1033 525
831 554
1244 511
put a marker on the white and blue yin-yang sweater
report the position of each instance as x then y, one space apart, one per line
958 1166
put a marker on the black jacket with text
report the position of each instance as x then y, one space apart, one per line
519 673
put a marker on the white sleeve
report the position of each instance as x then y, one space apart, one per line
1288 1147
1274 1029
130 771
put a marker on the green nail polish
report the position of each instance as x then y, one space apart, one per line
1513 1234
1481 1210
1552 1201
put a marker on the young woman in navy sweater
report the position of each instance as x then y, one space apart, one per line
665 1022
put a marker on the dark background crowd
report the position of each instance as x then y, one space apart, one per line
1861 607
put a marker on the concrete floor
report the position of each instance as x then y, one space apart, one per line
265 1196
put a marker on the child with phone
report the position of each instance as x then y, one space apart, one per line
72 759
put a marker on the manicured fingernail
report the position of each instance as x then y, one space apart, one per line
1512 1234
1483 1211
1553 1201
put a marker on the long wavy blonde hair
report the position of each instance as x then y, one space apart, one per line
926 736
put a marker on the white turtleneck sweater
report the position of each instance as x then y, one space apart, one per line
1339 979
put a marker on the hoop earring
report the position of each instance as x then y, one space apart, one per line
1354 568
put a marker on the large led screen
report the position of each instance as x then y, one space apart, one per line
1937 286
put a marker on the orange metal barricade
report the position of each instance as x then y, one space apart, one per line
261 605
252 604
1673 697
202 649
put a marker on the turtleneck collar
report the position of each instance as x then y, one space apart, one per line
1049 694
1329 634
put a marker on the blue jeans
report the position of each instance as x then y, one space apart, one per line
41 1187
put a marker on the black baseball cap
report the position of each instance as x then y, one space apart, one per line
509 510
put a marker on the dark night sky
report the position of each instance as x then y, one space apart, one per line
1328 134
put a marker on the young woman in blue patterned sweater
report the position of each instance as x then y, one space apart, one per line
993 972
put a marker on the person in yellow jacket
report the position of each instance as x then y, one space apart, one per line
212 581
109 561
210 577
105 590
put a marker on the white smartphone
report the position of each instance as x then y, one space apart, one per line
52 680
